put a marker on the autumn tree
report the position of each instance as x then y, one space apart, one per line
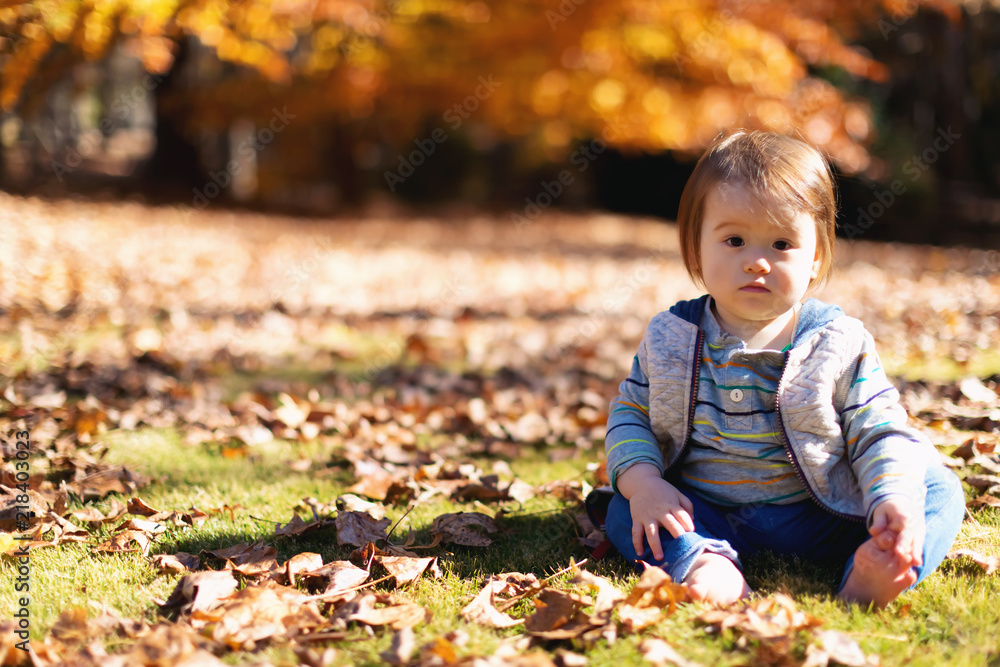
645 74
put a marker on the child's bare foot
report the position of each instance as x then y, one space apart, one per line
714 578
879 574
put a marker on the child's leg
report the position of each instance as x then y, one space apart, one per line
710 565
872 573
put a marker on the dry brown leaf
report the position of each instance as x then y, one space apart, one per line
296 526
984 500
138 507
990 563
974 390
358 528
373 482
482 609
832 646
458 528
176 642
352 503
402 647
88 515
769 619
122 542
982 482
608 596
338 576
176 563
301 563
256 561
232 551
200 591
660 653
396 614
405 570
558 616
291 412
652 597
258 613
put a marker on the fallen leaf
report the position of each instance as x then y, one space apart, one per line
122 542
832 646
558 616
976 391
401 649
296 526
406 570
394 613
984 500
300 563
337 576
256 613
769 619
482 609
358 528
659 653
989 563
176 563
608 596
352 503
200 591
652 597
458 528
982 482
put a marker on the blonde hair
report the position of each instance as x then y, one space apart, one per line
776 169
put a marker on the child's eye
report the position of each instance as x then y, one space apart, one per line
782 245
734 242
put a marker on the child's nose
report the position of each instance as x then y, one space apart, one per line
757 264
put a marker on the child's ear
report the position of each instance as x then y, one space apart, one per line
817 263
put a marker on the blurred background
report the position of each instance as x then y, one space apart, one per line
329 107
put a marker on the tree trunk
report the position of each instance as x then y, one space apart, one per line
174 170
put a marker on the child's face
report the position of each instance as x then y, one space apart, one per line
755 269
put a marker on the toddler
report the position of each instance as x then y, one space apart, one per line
753 419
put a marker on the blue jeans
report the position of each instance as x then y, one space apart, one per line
802 529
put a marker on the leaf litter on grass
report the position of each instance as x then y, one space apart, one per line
538 369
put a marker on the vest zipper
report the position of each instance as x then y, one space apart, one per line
691 400
791 454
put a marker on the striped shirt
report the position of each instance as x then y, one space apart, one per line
735 454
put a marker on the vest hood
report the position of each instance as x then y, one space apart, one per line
814 315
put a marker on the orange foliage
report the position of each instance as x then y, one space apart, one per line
645 74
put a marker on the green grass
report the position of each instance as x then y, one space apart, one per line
941 368
949 620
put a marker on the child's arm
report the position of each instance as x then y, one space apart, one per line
635 464
654 502
888 457
630 439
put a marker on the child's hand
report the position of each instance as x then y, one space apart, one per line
654 502
902 529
